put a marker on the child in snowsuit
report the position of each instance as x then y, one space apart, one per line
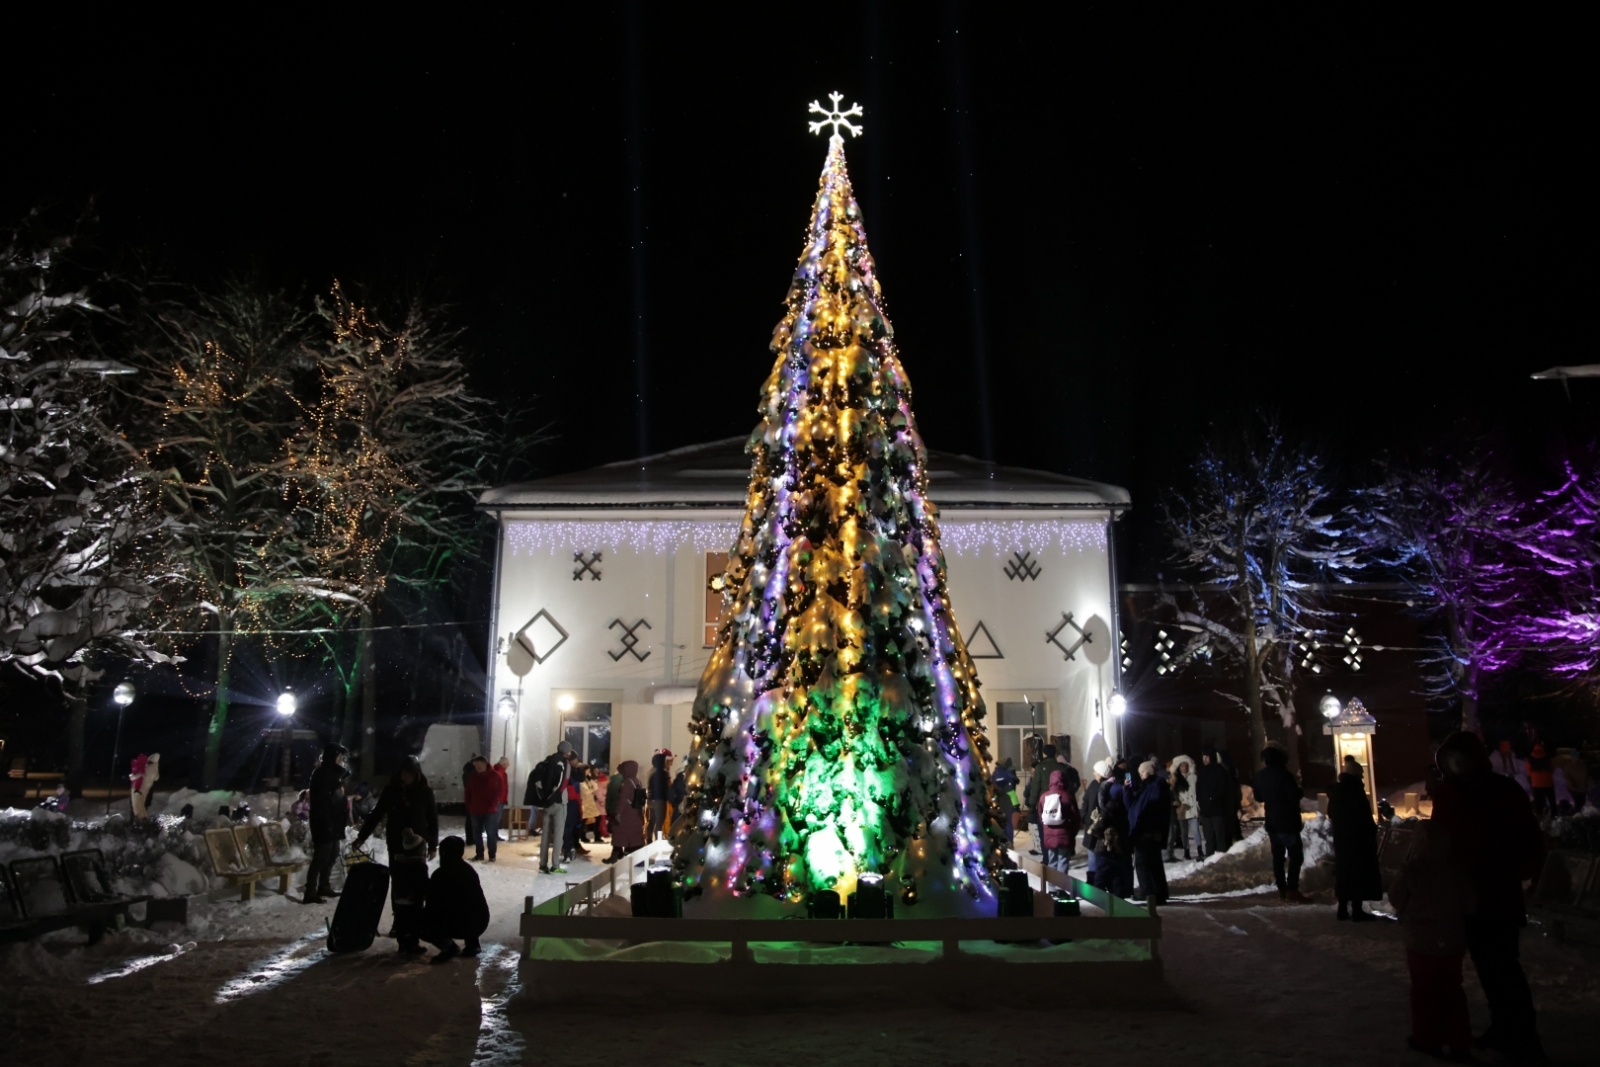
455 906
1433 897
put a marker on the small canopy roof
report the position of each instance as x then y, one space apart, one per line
716 475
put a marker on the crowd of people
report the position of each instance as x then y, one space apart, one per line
573 802
1459 891
1135 815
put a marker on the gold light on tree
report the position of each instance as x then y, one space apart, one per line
838 723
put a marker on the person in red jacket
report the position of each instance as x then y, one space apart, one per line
485 790
1498 842
1059 822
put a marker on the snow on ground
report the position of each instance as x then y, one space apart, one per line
1247 980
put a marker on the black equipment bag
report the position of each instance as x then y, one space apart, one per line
355 920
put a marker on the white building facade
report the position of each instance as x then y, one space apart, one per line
604 619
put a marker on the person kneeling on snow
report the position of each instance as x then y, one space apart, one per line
455 906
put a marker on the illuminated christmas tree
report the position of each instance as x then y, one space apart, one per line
838 723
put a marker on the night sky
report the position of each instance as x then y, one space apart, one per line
1100 236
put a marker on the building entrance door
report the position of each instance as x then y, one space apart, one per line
587 728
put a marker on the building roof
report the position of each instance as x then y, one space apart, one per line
716 475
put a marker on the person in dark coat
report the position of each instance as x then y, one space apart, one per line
627 828
411 829
1497 839
1355 844
1149 809
1091 804
1113 846
329 816
1277 789
660 785
1212 791
1235 796
455 905
1005 780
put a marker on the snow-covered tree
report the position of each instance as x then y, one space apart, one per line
79 556
1555 616
1258 527
1459 533
218 410
388 461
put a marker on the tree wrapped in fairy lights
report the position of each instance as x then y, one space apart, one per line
838 723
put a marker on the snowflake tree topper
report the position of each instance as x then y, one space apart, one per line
835 118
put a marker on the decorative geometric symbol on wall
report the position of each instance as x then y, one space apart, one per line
542 635
628 640
1021 568
1352 649
589 565
1084 637
1127 652
981 644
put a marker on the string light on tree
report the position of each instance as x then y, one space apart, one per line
838 722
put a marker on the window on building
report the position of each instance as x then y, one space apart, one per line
587 728
1019 733
716 563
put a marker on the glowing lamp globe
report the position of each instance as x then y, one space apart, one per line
507 707
1330 707
1118 704
566 702
287 703
123 694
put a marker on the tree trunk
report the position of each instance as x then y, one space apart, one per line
219 706
77 716
1469 703
1252 695
369 699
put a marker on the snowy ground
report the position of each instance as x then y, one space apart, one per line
1248 980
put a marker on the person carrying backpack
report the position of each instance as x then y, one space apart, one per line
547 796
1059 822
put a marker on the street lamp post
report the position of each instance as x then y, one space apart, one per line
287 705
1118 705
122 696
1352 730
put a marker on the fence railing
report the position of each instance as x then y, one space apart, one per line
570 915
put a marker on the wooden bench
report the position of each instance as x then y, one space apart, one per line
41 894
245 855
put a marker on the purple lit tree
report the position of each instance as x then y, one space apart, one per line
1556 620
1466 543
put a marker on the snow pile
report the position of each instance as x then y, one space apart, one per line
1247 866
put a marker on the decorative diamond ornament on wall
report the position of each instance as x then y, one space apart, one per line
542 635
629 639
586 564
1083 636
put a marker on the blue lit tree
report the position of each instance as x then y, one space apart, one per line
1259 530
